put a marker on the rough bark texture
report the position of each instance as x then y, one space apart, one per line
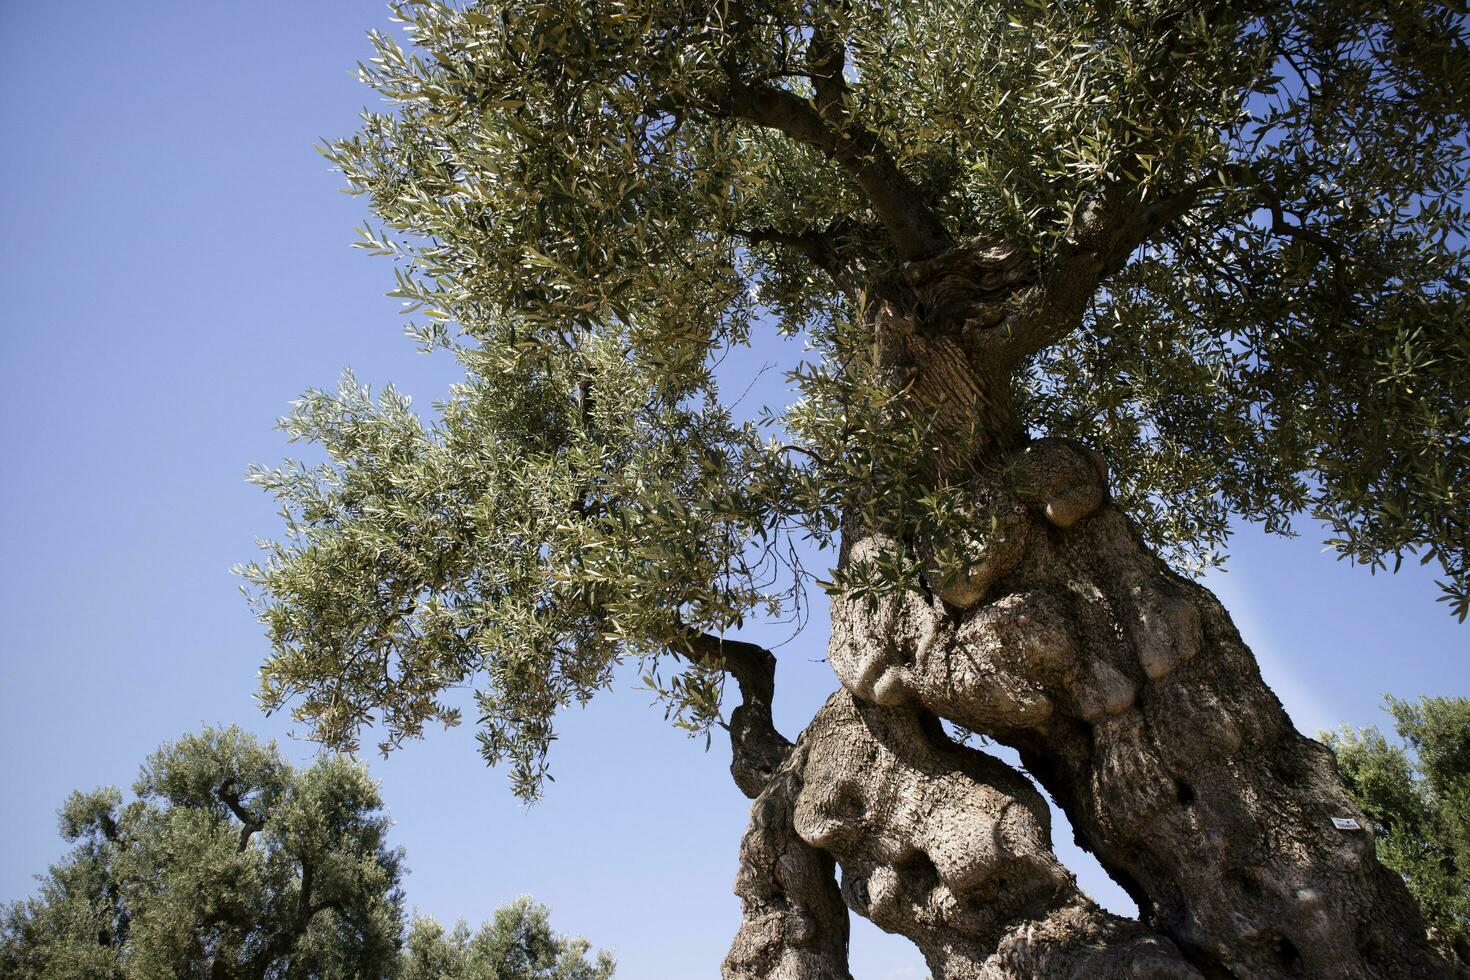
952 849
756 748
1125 687
793 925
1131 697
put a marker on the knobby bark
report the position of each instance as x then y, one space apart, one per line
1132 698
1125 687
793 925
938 843
952 849
1127 691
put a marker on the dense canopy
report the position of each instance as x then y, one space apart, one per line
1227 242
232 864
229 863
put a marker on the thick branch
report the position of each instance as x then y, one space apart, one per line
815 246
757 749
826 67
916 231
283 943
250 825
303 902
793 924
1108 232
1121 217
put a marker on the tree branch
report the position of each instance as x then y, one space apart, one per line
1279 226
916 232
793 922
813 245
303 901
250 824
829 126
1109 230
826 68
1119 219
757 748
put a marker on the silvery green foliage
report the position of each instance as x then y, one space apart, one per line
229 862
516 944
591 203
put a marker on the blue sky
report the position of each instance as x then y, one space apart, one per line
174 269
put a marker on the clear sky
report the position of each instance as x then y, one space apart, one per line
174 269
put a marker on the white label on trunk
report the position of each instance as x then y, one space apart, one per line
1346 823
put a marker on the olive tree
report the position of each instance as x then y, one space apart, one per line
516 944
1079 282
1417 793
229 863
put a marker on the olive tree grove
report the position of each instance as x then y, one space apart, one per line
1420 806
1080 281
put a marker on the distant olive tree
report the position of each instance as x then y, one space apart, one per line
1418 795
517 944
230 863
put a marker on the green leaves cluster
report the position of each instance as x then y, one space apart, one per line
229 862
232 863
593 203
1417 792
554 520
1299 344
516 944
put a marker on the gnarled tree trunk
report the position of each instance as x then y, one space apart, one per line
1125 688
952 849
938 843
793 925
1131 697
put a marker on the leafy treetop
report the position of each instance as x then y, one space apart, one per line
1225 243
517 944
229 863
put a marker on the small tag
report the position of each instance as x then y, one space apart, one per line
1346 823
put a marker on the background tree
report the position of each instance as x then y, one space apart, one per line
517 944
229 864
1078 281
1420 804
